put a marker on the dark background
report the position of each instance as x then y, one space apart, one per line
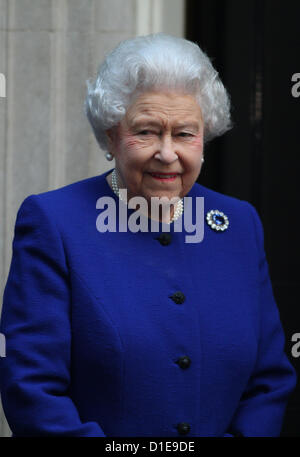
255 47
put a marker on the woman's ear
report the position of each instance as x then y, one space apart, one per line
110 140
112 135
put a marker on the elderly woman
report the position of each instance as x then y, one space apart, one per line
112 331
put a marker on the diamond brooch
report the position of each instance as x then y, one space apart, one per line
217 220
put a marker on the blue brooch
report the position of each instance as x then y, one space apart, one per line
217 220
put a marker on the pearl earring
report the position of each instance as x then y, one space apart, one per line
109 156
202 159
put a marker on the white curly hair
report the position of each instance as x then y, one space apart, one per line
155 61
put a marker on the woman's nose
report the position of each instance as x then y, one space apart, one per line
166 150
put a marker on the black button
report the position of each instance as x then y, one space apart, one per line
184 362
164 239
183 428
178 297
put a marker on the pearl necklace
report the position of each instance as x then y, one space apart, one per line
179 205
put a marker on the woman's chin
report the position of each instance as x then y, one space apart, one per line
162 195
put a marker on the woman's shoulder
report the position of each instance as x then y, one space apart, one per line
74 192
241 213
94 184
71 202
214 198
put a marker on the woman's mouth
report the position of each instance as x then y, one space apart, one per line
164 176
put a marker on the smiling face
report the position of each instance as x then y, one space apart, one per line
158 145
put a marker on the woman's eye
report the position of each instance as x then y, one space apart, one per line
144 132
185 134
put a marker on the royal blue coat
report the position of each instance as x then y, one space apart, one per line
132 334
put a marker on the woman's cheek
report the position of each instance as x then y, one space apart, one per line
197 142
134 143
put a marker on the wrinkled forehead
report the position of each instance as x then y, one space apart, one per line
163 107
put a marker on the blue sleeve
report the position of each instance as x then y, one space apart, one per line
262 406
35 374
